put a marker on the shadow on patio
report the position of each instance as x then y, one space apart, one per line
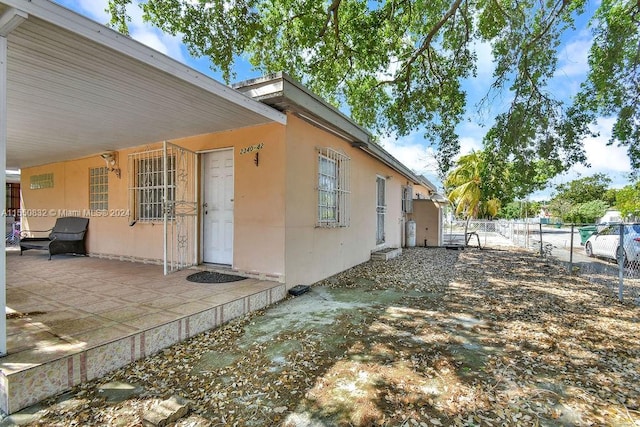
73 319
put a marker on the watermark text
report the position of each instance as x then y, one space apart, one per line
55 213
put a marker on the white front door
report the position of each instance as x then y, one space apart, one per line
217 207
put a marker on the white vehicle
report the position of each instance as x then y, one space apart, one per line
606 243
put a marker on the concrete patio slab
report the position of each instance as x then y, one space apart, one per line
73 319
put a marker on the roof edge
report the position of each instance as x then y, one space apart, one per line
274 89
281 88
80 25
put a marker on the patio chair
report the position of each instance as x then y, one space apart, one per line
67 236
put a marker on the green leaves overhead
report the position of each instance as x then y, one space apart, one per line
399 65
613 84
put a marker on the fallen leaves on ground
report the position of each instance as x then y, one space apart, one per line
481 337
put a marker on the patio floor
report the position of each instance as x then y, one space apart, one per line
73 319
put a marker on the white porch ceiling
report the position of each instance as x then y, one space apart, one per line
77 88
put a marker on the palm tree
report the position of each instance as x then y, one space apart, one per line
464 185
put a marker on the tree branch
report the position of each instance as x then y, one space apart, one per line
426 44
332 11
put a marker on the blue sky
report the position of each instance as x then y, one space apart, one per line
414 150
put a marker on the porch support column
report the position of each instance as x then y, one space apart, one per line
8 22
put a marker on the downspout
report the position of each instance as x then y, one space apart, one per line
8 22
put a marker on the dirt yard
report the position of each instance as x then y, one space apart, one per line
434 337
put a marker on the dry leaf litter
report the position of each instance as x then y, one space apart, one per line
432 338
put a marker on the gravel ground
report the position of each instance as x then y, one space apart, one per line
433 337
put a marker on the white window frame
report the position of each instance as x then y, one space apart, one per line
407 199
381 209
333 188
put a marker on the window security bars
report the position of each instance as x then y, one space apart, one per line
334 176
98 189
146 180
407 199
381 209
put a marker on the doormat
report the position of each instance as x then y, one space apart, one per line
18 315
213 277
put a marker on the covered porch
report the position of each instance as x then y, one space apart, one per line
71 88
72 319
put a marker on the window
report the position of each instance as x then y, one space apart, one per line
407 199
333 188
37 182
381 208
13 199
98 189
147 184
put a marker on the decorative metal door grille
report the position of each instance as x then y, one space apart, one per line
163 188
181 209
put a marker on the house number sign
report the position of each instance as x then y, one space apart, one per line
251 148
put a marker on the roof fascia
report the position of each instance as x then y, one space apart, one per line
319 108
425 182
305 104
385 157
10 20
313 109
62 17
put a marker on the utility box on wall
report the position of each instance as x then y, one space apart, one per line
428 218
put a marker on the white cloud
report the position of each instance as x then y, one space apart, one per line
485 63
574 57
94 9
393 68
153 37
138 29
611 160
413 151
471 137
602 157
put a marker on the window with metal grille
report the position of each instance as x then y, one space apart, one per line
381 208
147 184
333 188
407 199
98 189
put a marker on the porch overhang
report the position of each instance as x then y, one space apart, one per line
76 88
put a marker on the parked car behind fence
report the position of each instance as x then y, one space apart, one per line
605 243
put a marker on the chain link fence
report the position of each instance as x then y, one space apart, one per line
591 251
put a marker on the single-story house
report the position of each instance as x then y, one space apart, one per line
264 178
294 202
